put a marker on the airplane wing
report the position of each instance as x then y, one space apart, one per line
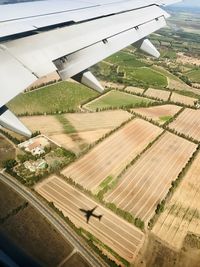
68 36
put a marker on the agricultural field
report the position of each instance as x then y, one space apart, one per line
112 155
125 59
9 200
129 69
84 122
194 76
50 78
90 127
116 99
63 96
188 123
108 85
134 90
182 99
159 94
7 150
160 114
76 130
188 60
147 182
122 237
173 81
52 128
182 213
146 76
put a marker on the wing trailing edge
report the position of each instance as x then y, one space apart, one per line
9 121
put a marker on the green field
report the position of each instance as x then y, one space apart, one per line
64 96
147 76
166 73
126 60
117 99
194 76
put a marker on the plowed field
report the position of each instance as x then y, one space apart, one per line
111 156
189 101
147 182
182 214
159 94
122 237
188 123
159 114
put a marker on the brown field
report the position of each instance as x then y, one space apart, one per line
48 125
122 237
111 156
188 123
182 213
89 126
147 182
160 94
51 127
46 79
179 85
92 136
112 85
186 100
96 121
135 90
159 113
9 200
188 60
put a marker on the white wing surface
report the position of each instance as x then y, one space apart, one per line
69 36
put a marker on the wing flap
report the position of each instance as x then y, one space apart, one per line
81 60
14 77
54 44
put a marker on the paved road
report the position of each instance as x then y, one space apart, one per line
79 245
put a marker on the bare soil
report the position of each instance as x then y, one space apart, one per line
147 182
182 213
111 156
135 90
188 123
183 99
158 113
124 238
159 94
157 254
181 58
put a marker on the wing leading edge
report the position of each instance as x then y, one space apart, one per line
103 28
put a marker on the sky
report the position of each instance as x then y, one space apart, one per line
190 3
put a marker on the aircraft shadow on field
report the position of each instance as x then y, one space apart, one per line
90 213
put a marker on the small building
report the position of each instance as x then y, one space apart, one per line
36 146
36 149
